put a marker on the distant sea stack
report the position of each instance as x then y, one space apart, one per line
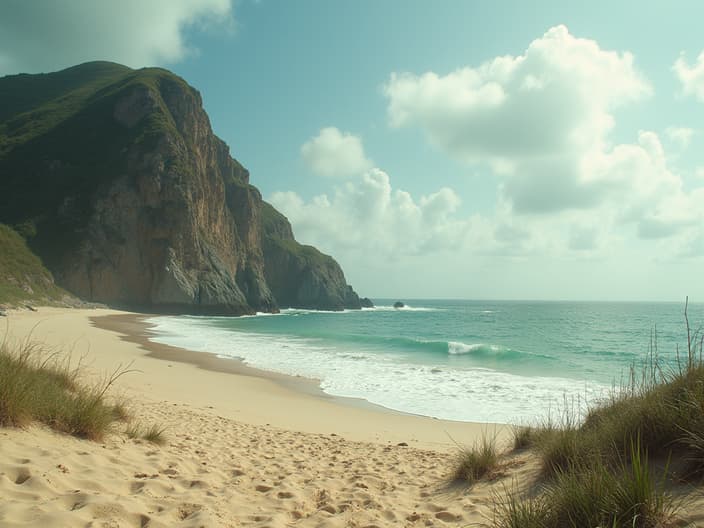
115 178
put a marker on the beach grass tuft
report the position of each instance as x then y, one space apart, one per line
515 510
154 433
476 462
523 437
593 494
38 384
121 412
133 430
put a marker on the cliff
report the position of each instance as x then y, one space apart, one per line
133 201
301 275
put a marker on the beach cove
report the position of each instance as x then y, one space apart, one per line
244 447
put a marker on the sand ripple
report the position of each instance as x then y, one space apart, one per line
214 471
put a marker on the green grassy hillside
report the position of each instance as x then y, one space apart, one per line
23 277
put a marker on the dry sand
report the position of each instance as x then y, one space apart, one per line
244 447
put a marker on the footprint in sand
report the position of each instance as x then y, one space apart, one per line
447 516
187 509
22 476
136 487
263 488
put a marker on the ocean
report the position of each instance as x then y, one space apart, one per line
482 361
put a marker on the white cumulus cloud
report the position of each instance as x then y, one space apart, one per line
691 77
541 122
335 153
680 136
366 214
555 96
48 35
536 118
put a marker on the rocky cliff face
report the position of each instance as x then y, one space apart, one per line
158 214
301 275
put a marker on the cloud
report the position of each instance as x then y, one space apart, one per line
47 35
367 218
691 77
512 108
535 119
627 193
334 153
681 136
367 215
541 122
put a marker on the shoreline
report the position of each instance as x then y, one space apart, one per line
134 328
230 388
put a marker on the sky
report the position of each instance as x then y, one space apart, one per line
439 149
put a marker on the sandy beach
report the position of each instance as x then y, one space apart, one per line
244 447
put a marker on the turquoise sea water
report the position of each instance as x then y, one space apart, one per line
489 361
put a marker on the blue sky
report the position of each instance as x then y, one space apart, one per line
516 150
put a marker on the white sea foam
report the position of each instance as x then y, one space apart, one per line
458 348
455 347
295 311
441 391
405 308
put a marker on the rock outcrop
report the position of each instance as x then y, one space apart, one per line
142 205
301 275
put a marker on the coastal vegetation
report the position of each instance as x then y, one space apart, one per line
153 433
38 384
478 461
618 465
23 277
